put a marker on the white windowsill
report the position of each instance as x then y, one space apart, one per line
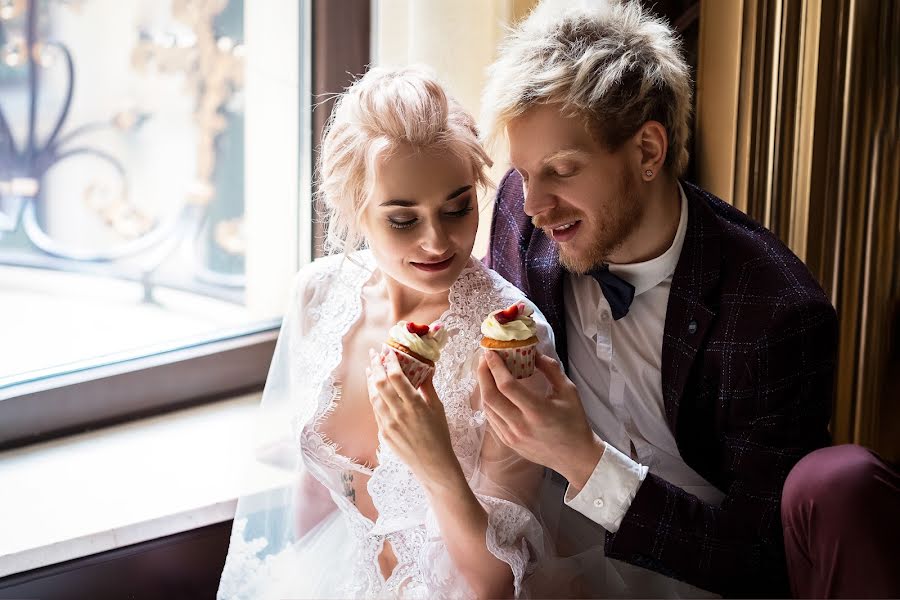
121 485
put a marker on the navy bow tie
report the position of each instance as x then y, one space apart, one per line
618 292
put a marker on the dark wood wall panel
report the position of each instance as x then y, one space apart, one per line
341 34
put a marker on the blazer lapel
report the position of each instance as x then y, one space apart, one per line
692 303
545 286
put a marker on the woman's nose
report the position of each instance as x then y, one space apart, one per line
435 240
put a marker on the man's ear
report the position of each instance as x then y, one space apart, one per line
653 143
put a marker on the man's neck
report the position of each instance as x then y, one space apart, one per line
659 224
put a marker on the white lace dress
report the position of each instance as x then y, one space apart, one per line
338 556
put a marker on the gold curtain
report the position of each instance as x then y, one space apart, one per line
797 124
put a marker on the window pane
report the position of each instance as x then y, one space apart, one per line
150 175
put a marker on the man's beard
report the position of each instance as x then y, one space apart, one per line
612 224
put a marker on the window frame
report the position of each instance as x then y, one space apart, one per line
66 403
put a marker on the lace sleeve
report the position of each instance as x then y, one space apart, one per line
514 534
509 488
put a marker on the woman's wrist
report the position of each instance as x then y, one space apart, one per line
445 480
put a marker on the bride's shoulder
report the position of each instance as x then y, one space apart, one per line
324 272
501 286
506 293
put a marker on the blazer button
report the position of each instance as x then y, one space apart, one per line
692 327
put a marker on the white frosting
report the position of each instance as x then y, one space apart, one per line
520 328
428 346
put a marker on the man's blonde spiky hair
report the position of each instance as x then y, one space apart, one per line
610 62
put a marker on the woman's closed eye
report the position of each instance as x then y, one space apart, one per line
463 206
457 209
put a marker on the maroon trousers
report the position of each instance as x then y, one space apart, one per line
841 515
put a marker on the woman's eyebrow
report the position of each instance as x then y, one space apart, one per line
461 190
398 202
409 203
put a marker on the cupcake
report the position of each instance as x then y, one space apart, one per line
417 348
511 333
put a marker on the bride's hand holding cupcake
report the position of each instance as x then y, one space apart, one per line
409 414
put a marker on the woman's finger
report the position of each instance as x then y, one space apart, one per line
430 394
398 380
378 378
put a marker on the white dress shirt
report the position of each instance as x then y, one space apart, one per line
616 366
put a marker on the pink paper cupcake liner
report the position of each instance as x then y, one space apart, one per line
415 370
519 361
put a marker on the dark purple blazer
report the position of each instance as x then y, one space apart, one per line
747 380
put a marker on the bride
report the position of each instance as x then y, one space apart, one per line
387 490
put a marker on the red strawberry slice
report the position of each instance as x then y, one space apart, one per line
507 314
417 329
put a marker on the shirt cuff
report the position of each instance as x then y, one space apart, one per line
609 491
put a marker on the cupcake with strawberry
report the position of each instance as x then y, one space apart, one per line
418 348
512 334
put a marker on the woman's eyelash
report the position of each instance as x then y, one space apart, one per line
401 224
453 214
463 211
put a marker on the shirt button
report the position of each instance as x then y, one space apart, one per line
692 327
598 502
604 316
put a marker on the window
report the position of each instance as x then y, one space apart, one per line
154 202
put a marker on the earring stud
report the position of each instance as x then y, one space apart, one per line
648 173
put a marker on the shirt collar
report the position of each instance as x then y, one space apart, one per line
647 275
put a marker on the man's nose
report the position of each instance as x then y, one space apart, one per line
537 197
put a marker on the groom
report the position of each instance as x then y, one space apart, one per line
698 350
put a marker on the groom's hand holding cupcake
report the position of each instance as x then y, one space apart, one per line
544 424
512 335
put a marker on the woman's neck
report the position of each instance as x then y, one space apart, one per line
404 303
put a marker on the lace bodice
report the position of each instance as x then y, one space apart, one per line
328 302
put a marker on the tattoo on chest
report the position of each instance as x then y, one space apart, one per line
347 481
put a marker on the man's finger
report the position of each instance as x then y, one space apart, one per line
552 370
518 393
493 400
503 378
490 394
497 426
486 378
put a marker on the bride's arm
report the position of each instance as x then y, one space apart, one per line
464 525
415 427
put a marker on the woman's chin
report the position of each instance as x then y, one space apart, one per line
433 282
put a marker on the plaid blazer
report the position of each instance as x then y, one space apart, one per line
747 378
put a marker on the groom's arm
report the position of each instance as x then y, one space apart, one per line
735 548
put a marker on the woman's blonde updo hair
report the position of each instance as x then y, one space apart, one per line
377 113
